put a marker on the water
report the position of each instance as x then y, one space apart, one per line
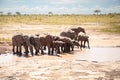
94 54
6 58
100 54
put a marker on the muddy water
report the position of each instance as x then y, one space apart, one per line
99 54
94 54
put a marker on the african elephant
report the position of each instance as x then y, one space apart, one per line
83 38
18 41
78 30
68 43
35 42
46 40
70 34
57 45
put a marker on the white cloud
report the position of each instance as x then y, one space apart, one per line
64 1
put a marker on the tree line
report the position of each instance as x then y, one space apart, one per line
96 12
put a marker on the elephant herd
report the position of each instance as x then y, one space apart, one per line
54 44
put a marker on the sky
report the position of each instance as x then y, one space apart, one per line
59 6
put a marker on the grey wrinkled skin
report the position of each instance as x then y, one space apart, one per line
18 41
57 45
70 34
46 41
68 44
83 39
35 42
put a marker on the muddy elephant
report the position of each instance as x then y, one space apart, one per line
46 40
35 42
78 30
18 41
68 44
57 45
69 33
83 39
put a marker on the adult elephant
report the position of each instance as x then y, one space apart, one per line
35 42
70 34
18 41
83 39
46 40
78 30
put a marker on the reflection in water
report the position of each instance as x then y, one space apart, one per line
100 54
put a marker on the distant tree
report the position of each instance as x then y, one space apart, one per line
97 11
9 13
18 13
50 13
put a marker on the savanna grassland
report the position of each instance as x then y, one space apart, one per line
108 23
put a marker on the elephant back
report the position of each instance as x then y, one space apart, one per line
46 39
17 40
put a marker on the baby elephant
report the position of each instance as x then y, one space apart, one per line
57 45
83 38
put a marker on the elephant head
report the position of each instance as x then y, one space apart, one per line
78 30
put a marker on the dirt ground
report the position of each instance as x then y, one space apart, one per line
62 67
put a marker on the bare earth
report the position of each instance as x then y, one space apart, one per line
62 67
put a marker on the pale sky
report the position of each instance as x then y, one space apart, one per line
59 6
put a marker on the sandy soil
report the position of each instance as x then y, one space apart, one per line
62 67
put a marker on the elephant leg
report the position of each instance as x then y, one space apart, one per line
84 44
48 49
53 50
17 50
88 44
72 47
81 45
69 47
20 50
65 48
62 48
26 51
42 52
13 50
36 50
58 49
31 50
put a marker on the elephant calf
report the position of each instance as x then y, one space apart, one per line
57 45
68 44
83 38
